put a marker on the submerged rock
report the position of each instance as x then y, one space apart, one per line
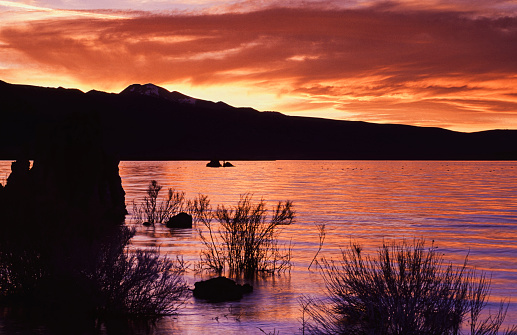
220 289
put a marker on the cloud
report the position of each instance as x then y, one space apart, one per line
481 7
348 58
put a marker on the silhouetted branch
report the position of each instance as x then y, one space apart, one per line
321 236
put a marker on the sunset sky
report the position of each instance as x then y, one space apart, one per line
451 64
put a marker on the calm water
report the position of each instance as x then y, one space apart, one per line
465 207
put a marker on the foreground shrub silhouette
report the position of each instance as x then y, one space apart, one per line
244 241
61 261
137 282
406 289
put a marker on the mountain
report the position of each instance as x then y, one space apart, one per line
161 93
147 122
157 92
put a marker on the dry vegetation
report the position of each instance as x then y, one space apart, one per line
61 262
245 241
406 289
152 211
239 240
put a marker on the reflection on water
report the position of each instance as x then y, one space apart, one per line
465 207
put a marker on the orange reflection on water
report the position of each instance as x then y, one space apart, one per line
466 208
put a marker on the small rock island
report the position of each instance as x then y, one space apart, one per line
217 163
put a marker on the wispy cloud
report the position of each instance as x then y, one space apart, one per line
378 63
20 12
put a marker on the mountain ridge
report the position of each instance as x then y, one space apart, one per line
148 122
157 91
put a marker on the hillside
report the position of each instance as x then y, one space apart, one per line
146 122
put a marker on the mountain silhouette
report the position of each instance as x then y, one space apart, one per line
148 122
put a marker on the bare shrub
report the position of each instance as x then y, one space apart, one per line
478 296
199 208
244 241
321 236
138 282
94 279
407 290
153 211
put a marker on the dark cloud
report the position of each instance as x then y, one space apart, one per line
376 52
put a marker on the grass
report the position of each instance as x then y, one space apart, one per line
407 289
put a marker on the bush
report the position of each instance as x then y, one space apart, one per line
406 290
99 280
245 242
57 259
139 282
153 211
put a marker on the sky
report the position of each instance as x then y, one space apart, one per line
449 64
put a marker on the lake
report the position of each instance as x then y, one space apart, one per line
466 208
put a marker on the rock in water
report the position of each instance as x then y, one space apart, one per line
181 220
213 163
72 176
220 289
62 220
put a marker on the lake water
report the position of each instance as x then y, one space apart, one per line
464 207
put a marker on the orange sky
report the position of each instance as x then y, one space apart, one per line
451 64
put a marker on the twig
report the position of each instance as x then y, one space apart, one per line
321 229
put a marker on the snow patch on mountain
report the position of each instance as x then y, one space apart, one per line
147 89
150 89
159 92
